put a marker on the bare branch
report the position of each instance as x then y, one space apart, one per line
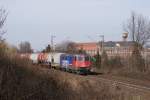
3 16
138 28
25 47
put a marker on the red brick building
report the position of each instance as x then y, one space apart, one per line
90 48
112 48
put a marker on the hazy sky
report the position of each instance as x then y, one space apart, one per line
36 20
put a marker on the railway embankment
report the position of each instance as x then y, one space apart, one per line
19 80
123 88
100 87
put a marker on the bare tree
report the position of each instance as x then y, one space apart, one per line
138 28
62 46
67 46
25 47
47 49
81 51
3 16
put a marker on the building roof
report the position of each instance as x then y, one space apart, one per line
121 43
87 46
106 44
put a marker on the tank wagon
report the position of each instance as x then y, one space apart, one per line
77 63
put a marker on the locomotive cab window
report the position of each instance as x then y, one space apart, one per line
80 58
87 58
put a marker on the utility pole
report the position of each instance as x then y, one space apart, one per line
52 45
102 43
52 42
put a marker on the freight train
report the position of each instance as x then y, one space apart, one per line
77 63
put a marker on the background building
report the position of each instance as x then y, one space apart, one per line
112 48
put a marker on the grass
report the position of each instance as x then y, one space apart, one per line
20 80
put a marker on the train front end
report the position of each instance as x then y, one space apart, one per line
82 64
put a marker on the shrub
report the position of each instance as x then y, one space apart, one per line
104 60
97 62
113 65
115 62
136 62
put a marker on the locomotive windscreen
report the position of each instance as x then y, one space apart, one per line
87 58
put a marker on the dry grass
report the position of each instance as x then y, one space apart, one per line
19 80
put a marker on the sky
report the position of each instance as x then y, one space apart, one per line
77 20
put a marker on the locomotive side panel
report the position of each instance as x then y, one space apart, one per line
66 61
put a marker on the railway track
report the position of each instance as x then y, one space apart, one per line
130 84
114 81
